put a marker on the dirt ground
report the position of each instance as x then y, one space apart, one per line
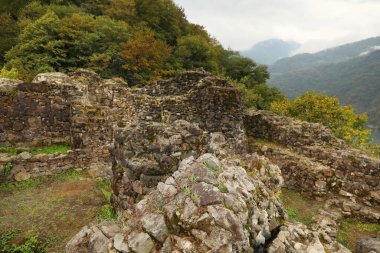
55 210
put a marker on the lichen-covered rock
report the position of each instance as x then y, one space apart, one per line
368 245
227 210
296 237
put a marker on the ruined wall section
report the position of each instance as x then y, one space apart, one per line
314 161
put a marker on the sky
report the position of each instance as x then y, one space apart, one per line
316 24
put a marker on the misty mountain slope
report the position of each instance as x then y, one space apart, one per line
333 55
355 81
269 51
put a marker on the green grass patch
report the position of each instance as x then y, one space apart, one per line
106 213
294 215
105 187
69 175
49 150
7 169
16 186
350 231
31 244
11 150
299 208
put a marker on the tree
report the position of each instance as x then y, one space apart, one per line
8 34
122 9
38 49
145 57
92 42
342 120
194 51
164 18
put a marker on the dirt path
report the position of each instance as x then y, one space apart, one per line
55 210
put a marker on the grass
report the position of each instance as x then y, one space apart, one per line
55 148
8 150
107 212
54 207
298 207
7 169
32 183
17 186
49 150
350 231
32 243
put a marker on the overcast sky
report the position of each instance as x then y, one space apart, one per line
317 24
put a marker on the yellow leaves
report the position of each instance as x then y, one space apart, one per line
145 55
10 74
342 120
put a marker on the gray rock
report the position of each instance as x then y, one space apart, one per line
140 242
22 176
368 245
76 242
155 225
98 242
25 155
120 244
110 229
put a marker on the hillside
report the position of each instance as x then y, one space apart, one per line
269 51
350 72
329 56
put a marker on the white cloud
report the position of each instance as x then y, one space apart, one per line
316 24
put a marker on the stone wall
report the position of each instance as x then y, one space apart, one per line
82 110
312 160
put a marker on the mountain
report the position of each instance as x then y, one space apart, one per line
351 72
269 51
332 55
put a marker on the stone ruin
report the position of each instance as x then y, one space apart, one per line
191 171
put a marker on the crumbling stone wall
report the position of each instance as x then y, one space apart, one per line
83 110
314 161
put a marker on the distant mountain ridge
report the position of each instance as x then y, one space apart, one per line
351 72
269 51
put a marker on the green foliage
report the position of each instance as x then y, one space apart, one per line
28 184
70 175
294 215
10 150
105 187
7 169
139 40
163 17
8 34
194 51
193 178
106 213
37 50
49 150
31 244
222 188
261 96
315 107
